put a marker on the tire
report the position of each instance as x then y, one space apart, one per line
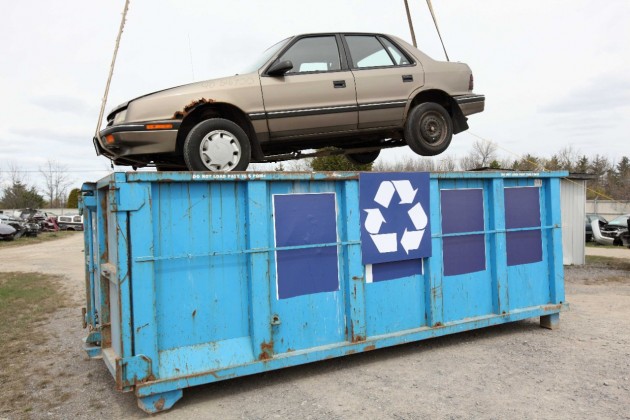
363 158
217 145
429 129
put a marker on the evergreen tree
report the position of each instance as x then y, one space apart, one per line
18 195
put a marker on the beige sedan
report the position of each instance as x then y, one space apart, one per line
358 92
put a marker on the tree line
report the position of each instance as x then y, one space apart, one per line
610 177
19 192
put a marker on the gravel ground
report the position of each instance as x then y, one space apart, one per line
519 370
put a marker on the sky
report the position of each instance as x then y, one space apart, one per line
555 74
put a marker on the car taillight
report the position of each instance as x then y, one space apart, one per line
471 82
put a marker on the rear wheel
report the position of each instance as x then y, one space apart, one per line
217 145
363 158
429 129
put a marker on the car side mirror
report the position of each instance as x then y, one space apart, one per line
279 68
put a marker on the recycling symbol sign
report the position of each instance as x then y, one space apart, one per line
394 216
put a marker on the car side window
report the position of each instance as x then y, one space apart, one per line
367 51
313 54
396 54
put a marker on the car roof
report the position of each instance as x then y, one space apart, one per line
341 33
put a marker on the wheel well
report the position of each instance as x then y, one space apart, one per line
447 102
218 110
438 96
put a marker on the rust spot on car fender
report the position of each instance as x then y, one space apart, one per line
179 115
369 348
352 351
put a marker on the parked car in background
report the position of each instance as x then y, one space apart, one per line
7 232
360 92
22 227
72 222
615 228
588 220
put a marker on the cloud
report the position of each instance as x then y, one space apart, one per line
605 93
65 103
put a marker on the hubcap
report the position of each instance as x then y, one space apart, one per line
432 128
220 151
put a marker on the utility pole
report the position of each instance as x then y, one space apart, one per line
413 34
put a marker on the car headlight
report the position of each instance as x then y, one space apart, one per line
120 117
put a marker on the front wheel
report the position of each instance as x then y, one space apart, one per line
217 145
429 129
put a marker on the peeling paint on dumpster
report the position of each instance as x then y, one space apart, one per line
194 278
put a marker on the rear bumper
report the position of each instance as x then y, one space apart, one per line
471 104
137 139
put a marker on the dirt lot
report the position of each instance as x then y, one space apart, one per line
518 370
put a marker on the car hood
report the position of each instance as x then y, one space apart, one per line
240 90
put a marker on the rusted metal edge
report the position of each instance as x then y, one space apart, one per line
313 354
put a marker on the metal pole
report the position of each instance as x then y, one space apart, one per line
413 34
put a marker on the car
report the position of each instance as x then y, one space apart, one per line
7 232
22 227
588 227
357 92
615 228
70 222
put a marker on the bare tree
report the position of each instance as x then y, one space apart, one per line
568 158
447 164
14 174
57 181
483 153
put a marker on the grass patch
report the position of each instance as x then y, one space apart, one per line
25 300
608 262
41 237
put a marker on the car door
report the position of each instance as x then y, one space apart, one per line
316 96
385 77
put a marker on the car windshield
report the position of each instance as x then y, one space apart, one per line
620 220
264 57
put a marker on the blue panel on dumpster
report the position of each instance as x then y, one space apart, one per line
396 270
306 219
394 216
462 211
522 210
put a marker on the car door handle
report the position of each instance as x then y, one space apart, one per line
407 78
339 84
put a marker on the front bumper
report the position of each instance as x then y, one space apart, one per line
128 140
471 104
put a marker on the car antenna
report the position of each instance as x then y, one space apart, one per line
111 69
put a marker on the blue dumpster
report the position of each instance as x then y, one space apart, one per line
194 278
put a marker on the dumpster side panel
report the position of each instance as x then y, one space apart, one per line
194 279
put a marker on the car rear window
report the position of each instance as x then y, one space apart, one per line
398 56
